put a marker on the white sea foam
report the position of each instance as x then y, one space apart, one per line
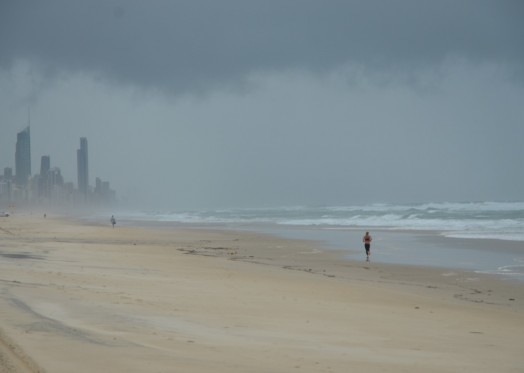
513 270
472 220
482 220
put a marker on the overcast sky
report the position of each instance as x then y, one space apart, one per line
238 103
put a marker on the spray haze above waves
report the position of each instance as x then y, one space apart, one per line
488 220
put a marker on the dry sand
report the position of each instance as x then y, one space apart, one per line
86 298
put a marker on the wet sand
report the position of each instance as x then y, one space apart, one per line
86 298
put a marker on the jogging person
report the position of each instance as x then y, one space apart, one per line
367 244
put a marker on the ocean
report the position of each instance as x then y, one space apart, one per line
480 236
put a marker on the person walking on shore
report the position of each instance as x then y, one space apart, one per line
113 220
367 244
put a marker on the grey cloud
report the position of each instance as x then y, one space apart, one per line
193 45
335 117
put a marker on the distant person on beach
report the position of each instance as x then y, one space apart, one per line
113 220
367 244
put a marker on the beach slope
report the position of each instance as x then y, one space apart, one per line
88 298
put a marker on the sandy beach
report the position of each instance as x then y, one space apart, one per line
89 298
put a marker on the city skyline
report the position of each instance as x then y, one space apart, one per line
49 186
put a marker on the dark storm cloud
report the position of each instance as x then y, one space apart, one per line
334 117
193 45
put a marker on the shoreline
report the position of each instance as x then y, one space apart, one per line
418 248
87 297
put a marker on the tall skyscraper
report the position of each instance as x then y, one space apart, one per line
23 156
82 166
43 184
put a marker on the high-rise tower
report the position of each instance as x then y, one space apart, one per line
43 184
23 156
82 166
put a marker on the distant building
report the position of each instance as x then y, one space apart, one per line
23 156
6 187
43 185
6 191
45 164
8 173
103 192
82 167
55 184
